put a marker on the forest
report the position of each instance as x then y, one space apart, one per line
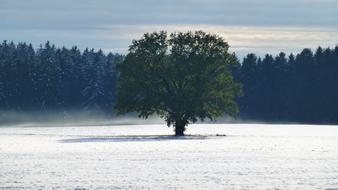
295 88
51 78
282 88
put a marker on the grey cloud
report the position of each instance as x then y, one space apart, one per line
240 12
96 23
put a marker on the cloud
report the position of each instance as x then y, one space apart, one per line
88 13
242 40
257 26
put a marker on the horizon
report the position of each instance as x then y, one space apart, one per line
240 57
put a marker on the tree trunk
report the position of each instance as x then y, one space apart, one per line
179 127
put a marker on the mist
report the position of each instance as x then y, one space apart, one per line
58 118
71 118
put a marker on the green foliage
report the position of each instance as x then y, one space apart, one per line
181 77
55 79
296 88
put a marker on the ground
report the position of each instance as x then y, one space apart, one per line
255 156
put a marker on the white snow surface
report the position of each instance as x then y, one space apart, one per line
250 156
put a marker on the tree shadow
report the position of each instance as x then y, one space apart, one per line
134 138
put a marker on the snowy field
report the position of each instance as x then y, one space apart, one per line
253 156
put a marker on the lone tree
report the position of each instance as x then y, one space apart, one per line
182 77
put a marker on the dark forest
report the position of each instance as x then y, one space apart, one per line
283 88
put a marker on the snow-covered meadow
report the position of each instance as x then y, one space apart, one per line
250 156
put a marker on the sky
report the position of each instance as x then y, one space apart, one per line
257 26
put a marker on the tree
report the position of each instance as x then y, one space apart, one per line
94 92
182 77
248 77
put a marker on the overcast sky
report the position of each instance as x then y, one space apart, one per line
259 26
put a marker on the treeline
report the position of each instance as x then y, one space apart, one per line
51 78
294 88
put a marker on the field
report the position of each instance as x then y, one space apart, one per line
212 156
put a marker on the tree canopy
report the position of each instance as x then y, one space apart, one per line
55 79
294 88
181 77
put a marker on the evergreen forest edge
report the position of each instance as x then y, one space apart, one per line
282 88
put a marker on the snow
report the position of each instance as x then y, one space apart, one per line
250 156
